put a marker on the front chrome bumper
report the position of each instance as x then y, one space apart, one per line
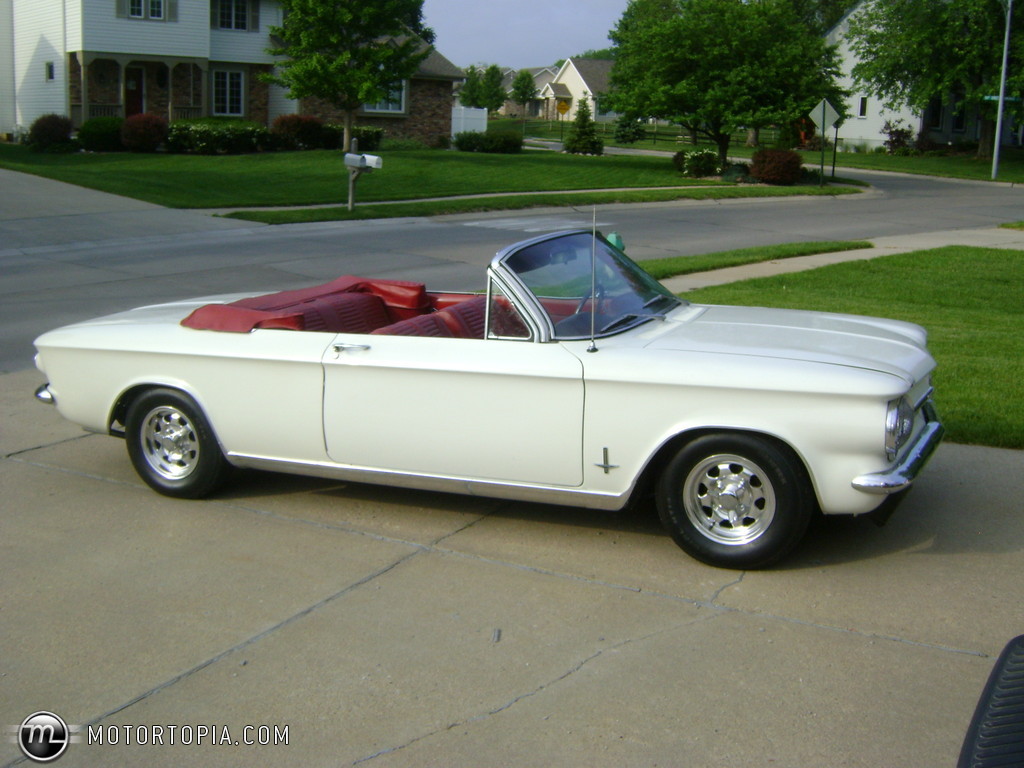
44 395
916 456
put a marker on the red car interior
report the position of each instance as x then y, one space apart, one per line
351 305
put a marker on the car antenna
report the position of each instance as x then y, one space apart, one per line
593 283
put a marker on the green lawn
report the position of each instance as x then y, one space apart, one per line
969 299
688 265
319 177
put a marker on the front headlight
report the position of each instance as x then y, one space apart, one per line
899 423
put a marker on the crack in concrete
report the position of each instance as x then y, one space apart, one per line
534 692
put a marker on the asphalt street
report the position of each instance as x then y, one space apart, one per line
378 627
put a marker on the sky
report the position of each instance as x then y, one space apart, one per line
520 33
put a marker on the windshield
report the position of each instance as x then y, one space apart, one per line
614 295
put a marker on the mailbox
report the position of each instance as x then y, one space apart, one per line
363 162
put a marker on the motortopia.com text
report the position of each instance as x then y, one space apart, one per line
188 735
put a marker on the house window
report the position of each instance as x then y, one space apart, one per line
156 9
934 115
135 9
228 90
959 114
863 109
234 14
394 102
50 71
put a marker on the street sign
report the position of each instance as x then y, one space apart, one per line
562 107
824 115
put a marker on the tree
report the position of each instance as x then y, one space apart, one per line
583 138
469 93
524 90
819 16
346 52
913 51
492 92
714 66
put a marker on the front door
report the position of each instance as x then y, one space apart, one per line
507 411
134 91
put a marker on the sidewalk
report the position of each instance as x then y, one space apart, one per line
884 246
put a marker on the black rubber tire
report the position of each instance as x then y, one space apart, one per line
762 480
172 446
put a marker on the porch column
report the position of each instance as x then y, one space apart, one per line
84 62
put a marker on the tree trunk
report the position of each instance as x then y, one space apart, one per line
348 121
722 140
753 137
986 141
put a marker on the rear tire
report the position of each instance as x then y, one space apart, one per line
735 500
172 446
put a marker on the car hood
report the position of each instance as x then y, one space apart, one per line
888 346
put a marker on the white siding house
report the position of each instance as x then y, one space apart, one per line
576 81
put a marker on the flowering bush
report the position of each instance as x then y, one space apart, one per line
214 137
777 166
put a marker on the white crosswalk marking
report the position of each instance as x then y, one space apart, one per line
537 223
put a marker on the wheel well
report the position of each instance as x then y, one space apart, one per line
649 476
119 412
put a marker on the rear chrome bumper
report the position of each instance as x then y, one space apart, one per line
916 456
44 395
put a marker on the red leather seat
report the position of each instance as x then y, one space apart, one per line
468 318
422 325
344 313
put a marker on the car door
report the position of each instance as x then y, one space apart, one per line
495 409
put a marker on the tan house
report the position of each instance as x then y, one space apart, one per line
176 58
578 80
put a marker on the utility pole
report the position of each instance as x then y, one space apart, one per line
1002 93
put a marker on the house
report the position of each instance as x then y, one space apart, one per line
535 108
941 123
576 80
176 58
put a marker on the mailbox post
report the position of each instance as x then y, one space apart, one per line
357 165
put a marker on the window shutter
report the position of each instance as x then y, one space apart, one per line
121 9
254 15
214 14
171 11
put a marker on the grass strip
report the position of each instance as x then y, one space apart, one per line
967 298
519 202
688 265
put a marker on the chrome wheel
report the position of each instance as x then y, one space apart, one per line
172 446
729 499
169 443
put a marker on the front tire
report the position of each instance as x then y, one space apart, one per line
735 500
172 446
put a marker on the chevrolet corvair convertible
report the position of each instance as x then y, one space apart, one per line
574 378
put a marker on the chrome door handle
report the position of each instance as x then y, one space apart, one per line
342 347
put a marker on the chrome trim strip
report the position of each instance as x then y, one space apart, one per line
44 395
570 497
901 476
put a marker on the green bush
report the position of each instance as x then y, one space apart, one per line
144 133
368 137
736 173
298 131
700 163
777 166
101 134
583 138
628 130
211 136
51 133
495 142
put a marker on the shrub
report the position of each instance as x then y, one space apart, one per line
700 163
495 142
583 138
101 134
736 173
679 161
776 166
211 136
144 133
50 133
368 137
899 136
298 131
628 130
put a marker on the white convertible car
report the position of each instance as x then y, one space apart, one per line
575 378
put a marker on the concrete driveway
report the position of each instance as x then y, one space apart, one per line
394 628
